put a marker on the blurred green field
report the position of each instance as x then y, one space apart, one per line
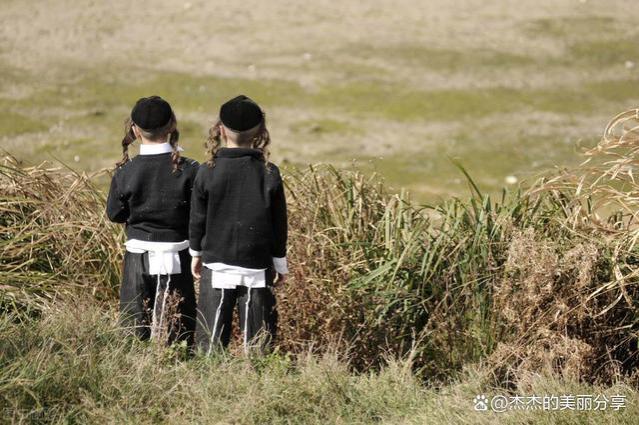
398 88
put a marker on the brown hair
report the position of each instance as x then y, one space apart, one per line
169 128
260 140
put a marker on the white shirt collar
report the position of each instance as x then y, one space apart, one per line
157 148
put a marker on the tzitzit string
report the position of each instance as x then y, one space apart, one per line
246 314
155 300
217 315
156 327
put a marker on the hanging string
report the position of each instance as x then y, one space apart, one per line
217 315
246 321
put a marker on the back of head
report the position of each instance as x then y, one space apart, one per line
155 121
241 114
244 124
154 117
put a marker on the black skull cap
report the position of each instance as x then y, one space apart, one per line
240 114
150 113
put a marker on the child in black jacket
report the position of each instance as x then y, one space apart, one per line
151 194
238 229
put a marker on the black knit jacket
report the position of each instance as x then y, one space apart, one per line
153 201
238 210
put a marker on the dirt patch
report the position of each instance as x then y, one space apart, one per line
400 76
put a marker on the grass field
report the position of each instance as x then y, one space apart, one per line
531 294
507 88
395 311
73 367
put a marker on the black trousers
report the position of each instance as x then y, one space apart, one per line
256 310
140 293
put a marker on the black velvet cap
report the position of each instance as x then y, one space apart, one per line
151 112
240 114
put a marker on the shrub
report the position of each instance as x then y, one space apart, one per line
544 279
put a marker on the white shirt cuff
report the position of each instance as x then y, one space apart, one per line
195 253
280 265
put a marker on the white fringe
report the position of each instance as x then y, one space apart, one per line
217 315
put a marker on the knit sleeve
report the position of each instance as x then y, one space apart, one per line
280 220
117 207
197 221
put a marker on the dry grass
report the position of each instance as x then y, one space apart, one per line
534 281
571 301
73 366
54 236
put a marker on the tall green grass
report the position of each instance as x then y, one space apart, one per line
529 282
442 281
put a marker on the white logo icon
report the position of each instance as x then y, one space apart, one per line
481 402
